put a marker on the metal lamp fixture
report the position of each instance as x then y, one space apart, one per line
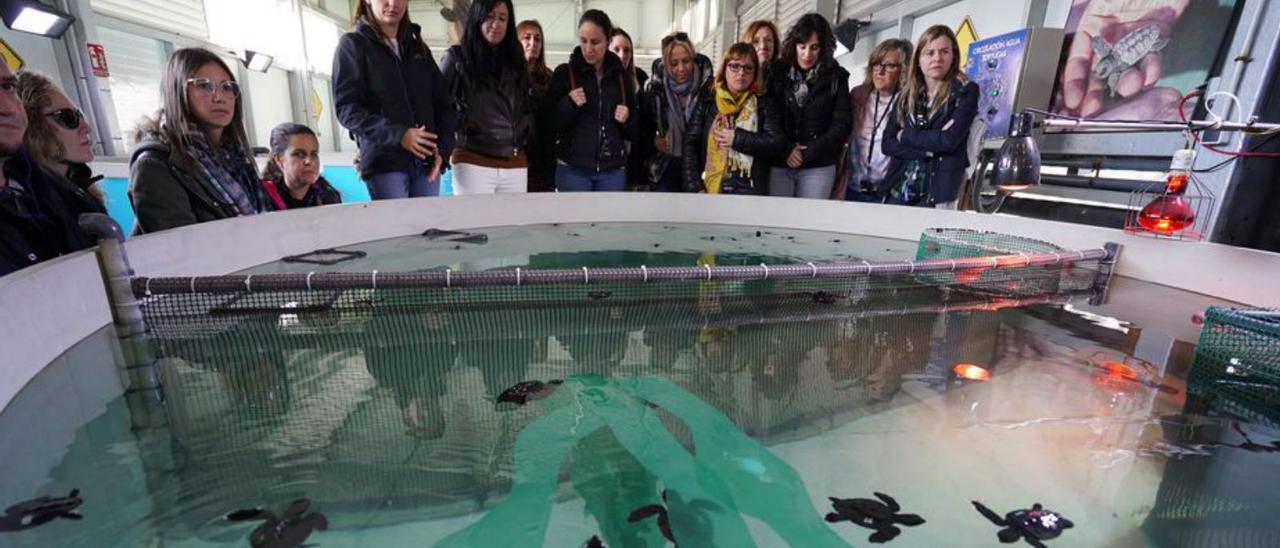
1018 165
36 18
256 60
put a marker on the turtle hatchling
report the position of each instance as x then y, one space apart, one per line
881 515
39 511
289 530
1032 525
1114 59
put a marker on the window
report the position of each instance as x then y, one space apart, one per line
182 17
137 64
321 40
272 28
268 95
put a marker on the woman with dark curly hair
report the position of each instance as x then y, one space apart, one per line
813 92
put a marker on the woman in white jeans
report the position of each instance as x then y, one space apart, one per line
487 78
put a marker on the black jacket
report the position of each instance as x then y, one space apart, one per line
494 112
378 96
655 107
42 221
942 144
542 143
823 124
765 143
642 145
167 191
588 137
321 193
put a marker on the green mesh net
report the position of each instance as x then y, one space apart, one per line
1237 363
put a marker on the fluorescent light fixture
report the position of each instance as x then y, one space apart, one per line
256 61
35 18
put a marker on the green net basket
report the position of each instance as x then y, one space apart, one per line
1237 363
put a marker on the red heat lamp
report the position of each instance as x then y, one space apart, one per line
1167 215
1170 211
970 372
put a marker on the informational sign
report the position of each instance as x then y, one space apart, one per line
317 105
98 60
995 64
965 34
10 56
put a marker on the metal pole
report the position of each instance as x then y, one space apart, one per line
1101 125
140 371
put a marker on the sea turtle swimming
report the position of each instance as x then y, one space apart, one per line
1032 525
1114 59
881 515
38 511
692 511
289 530
527 391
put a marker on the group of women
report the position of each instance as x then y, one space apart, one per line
773 116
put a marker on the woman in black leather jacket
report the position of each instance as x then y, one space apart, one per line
591 105
681 79
927 134
813 91
389 93
489 82
736 127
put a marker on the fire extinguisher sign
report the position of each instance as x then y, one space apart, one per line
98 60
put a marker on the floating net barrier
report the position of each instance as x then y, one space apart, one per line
1237 365
312 376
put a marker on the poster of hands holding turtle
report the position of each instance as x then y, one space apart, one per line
1135 59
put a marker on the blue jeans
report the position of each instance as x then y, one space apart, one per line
814 182
402 184
572 179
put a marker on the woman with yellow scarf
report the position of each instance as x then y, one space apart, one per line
733 131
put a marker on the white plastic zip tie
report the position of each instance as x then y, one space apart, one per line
309 275
645 270
248 283
375 279
448 277
708 267
517 276
586 276
766 271
815 269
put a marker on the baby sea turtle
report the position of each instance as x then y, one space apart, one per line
1114 59
594 542
38 511
881 515
289 530
527 391
1033 525
694 510
824 297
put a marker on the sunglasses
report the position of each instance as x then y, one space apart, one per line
743 68
69 118
208 87
681 36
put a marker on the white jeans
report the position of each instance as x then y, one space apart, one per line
474 179
951 206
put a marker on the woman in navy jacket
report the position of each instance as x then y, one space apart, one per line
388 91
928 133
591 104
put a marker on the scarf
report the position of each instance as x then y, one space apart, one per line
802 82
730 112
231 173
677 114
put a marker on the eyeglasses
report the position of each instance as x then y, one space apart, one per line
69 118
208 87
889 67
681 36
743 68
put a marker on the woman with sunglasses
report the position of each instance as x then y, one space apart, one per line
591 105
733 131
681 78
926 137
57 136
812 90
193 162
389 93
292 177
871 102
542 163
488 80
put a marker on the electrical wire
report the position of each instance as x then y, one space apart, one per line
1271 136
1182 113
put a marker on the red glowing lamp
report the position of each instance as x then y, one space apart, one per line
971 372
1167 215
969 276
1117 369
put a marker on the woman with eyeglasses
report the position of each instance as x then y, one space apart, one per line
292 177
638 151
57 136
812 91
193 162
542 163
926 137
389 93
763 37
681 78
591 104
733 131
872 103
488 80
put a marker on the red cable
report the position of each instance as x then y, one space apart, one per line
1238 154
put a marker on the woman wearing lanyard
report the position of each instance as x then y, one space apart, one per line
871 103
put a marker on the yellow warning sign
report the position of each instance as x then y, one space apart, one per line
10 56
317 105
966 34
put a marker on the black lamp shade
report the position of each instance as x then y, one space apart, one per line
1018 165
35 18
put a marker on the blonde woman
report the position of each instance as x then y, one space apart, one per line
679 81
